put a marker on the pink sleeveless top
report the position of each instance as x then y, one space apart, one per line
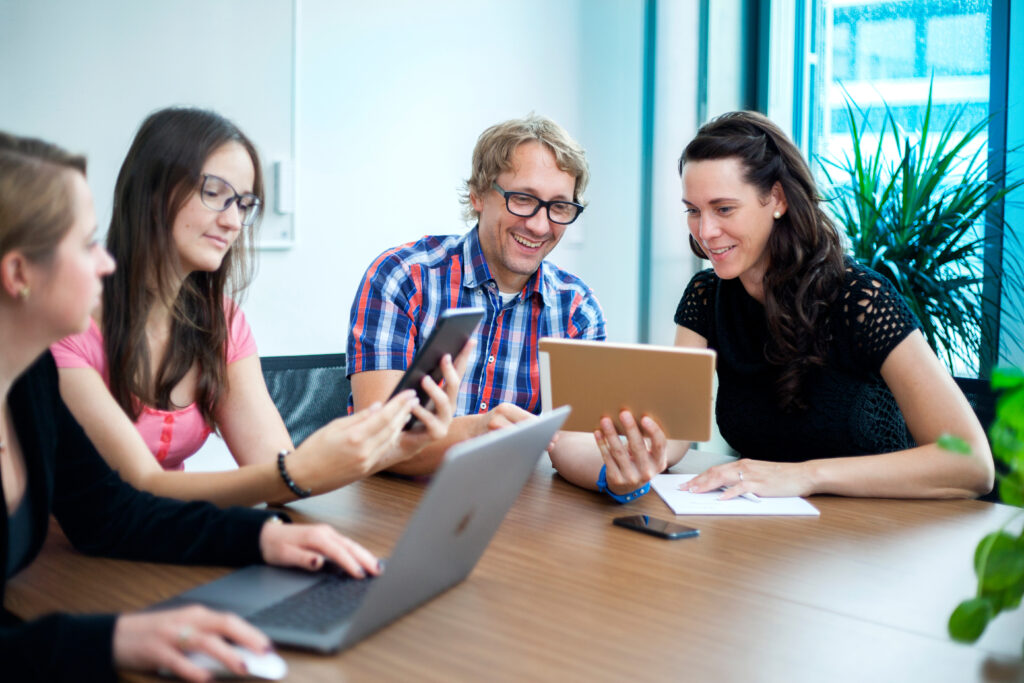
172 435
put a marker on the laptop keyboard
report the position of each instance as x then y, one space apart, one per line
318 608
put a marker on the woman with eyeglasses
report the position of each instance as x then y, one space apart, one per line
825 382
50 279
169 357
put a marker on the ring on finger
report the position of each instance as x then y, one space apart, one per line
741 475
185 637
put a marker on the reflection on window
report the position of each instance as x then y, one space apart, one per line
889 50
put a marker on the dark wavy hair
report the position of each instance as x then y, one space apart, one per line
159 175
805 253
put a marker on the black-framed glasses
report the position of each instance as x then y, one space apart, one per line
526 205
218 195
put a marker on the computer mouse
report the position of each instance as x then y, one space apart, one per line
268 666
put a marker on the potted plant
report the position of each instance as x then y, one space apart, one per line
999 557
918 218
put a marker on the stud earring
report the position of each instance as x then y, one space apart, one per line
778 215
23 293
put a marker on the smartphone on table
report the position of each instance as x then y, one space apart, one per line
656 527
453 329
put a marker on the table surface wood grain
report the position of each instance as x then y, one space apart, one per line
862 592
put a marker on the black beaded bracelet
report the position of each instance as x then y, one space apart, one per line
288 481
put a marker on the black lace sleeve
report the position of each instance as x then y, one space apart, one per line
876 314
694 310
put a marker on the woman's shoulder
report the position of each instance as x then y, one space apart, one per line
84 349
874 311
703 283
694 307
865 289
231 307
241 342
707 276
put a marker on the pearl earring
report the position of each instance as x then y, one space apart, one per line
23 293
778 215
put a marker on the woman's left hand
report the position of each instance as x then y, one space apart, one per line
309 545
761 477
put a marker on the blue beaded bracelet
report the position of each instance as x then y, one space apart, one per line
602 485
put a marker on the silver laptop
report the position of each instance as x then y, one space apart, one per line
459 514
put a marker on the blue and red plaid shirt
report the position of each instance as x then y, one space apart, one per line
405 289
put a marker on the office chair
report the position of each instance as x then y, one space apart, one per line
309 391
982 398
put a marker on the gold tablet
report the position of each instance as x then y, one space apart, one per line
673 385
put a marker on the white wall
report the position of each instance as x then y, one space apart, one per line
85 74
391 99
380 104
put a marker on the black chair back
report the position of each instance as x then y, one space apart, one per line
309 391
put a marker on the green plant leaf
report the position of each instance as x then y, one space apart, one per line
1004 566
1008 378
1013 595
969 619
1011 489
954 444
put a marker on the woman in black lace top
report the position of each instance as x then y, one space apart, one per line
826 384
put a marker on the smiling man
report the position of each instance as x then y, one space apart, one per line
525 190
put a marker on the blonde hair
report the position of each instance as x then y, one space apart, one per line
492 156
36 207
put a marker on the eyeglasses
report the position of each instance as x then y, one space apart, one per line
526 205
218 195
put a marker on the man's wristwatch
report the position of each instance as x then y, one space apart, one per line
602 485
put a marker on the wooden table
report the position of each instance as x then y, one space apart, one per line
860 594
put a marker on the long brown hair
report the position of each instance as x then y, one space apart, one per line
36 207
161 172
805 254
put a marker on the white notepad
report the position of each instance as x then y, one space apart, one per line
685 503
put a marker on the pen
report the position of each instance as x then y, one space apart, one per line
752 497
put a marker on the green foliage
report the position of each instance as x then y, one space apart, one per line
969 619
919 220
999 557
954 444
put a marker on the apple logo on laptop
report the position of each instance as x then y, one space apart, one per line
464 522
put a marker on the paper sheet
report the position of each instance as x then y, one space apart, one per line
685 503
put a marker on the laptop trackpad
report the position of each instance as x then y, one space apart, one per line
250 589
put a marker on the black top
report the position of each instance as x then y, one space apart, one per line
20 535
100 514
850 409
